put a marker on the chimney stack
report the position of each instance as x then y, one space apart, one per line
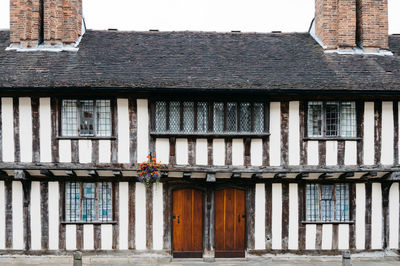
51 23
346 24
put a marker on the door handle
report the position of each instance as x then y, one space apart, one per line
239 218
174 217
244 216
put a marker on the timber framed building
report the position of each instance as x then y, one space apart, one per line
273 143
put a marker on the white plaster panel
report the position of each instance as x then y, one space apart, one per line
276 216
331 153
275 131
140 216
123 130
25 129
259 231
376 216
106 236
387 148
369 129
218 152
343 236
7 129
64 148
85 151
293 242
201 152
2 216
237 152
70 236
88 237
45 130
394 218
350 153
326 242
123 214
53 214
294 133
158 217
256 152
311 234
17 216
36 229
312 153
142 130
162 150
360 216
104 151
182 151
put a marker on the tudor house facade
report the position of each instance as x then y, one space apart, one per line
262 157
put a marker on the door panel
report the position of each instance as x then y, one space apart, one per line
187 223
230 223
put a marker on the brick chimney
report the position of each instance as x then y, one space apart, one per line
346 24
35 23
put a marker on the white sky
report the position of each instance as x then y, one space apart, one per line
202 15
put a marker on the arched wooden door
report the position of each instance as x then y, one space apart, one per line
187 223
230 223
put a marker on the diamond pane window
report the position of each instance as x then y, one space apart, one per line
348 119
161 117
86 118
245 117
327 204
69 118
342 202
312 202
188 117
332 119
202 117
88 202
258 117
174 117
314 119
103 118
231 117
218 117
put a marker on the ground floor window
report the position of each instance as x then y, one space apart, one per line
86 201
327 202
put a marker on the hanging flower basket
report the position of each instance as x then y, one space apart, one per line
148 172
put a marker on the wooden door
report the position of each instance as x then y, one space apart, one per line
230 223
187 223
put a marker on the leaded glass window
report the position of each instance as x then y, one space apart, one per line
86 118
331 119
88 201
188 117
327 202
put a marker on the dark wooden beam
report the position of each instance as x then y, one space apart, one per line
256 176
368 175
280 175
164 174
187 175
302 175
47 173
21 175
236 175
325 175
3 173
93 173
211 177
70 173
117 173
345 175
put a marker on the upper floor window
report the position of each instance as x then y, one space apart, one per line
327 202
209 117
331 119
86 118
88 202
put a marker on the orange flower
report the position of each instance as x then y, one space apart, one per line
148 156
154 159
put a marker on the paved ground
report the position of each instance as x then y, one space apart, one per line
368 260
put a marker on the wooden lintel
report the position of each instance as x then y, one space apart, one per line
70 173
325 175
47 173
187 175
345 175
117 173
302 175
280 175
236 175
93 173
211 177
368 175
256 176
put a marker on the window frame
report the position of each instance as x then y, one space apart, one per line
324 136
210 123
80 221
59 104
320 221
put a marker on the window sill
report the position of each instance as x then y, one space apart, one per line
209 135
87 138
327 222
92 222
333 138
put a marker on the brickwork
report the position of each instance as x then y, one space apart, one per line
342 24
62 22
